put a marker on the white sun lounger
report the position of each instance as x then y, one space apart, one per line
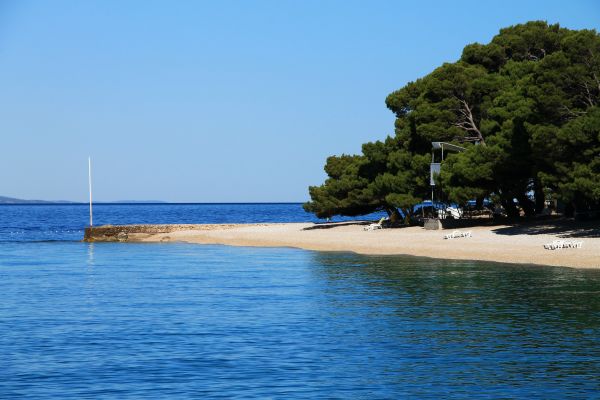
563 244
458 234
378 225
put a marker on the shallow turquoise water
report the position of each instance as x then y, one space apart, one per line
176 320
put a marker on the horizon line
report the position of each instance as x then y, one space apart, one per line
67 203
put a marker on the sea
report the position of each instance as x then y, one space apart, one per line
184 321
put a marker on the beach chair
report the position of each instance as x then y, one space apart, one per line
563 244
378 225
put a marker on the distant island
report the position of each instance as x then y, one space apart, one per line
12 200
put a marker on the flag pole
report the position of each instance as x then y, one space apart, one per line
90 185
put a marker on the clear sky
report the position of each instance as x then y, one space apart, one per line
218 101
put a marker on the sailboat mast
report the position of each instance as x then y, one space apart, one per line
90 185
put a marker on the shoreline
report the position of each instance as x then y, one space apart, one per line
515 244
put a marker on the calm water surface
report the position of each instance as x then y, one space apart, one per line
122 320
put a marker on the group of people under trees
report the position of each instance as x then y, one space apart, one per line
526 108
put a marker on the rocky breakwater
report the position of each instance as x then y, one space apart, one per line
133 233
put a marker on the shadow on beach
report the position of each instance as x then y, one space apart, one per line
329 225
562 228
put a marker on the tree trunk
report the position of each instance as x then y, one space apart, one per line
479 202
509 206
569 210
393 214
540 197
527 205
407 215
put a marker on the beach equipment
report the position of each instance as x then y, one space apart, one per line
378 225
451 211
438 151
458 234
563 244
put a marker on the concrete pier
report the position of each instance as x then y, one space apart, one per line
125 233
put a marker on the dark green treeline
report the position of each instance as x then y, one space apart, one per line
525 106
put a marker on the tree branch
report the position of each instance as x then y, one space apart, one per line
573 113
596 80
467 121
589 97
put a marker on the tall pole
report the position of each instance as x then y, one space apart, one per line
90 184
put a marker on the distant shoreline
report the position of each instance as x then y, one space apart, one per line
517 244
65 203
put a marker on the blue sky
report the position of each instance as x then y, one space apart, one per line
220 101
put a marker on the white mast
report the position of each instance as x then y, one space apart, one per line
90 184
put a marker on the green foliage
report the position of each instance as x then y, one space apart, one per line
525 106
384 178
574 149
343 192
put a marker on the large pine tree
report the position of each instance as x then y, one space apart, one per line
525 106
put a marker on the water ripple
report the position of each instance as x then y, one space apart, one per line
111 321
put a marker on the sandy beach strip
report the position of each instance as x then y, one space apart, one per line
500 243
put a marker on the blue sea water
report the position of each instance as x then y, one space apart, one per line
67 221
170 320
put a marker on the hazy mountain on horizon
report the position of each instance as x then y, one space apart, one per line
12 200
134 201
